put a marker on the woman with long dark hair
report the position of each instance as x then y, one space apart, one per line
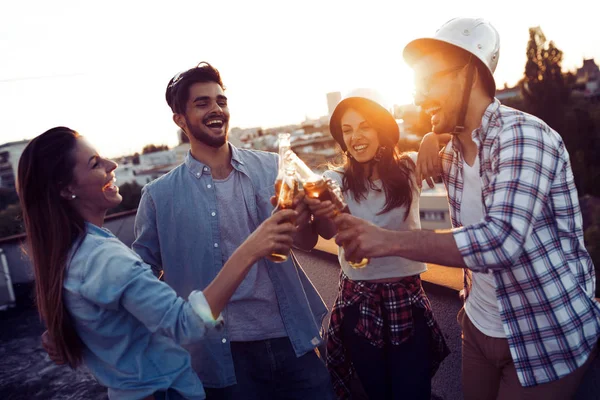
382 328
101 304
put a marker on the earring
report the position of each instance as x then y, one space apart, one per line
347 153
73 196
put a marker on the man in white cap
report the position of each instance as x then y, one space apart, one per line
530 321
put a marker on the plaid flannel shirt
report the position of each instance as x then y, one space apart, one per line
398 298
532 239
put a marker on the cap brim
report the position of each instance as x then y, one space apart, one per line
420 47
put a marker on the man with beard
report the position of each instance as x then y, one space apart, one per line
530 321
190 221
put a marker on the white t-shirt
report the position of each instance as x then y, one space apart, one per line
482 304
368 209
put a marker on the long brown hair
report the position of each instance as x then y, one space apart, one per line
394 167
53 227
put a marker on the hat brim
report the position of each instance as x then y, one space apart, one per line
423 46
418 48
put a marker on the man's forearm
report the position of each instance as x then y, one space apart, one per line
436 247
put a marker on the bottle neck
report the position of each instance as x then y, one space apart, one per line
305 174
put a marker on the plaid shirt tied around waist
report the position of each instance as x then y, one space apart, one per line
383 306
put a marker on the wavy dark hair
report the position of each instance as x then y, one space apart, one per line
394 167
52 227
177 93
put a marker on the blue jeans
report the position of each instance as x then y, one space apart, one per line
269 369
393 372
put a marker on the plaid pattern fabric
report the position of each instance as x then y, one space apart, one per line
398 299
532 238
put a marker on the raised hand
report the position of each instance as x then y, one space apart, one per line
360 239
274 235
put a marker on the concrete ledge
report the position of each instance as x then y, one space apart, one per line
450 278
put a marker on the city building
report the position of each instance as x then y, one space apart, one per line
588 79
508 93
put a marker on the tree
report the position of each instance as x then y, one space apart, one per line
151 148
544 88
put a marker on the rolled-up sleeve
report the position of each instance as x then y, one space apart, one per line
115 277
526 160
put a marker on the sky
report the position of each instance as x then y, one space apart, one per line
102 67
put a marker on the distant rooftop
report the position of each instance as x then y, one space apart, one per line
24 141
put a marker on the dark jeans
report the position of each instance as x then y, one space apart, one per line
169 394
269 369
392 372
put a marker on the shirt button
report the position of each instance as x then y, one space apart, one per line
206 168
223 340
216 244
213 213
209 186
198 174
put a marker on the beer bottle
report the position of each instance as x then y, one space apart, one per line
286 186
324 189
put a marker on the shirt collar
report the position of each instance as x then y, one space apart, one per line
490 119
97 231
198 168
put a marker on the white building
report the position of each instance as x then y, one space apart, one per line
333 99
10 153
180 152
126 173
158 158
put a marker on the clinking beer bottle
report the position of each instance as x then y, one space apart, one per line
324 189
286 186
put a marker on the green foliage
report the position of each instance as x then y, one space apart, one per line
544 87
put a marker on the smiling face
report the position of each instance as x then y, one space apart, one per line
93 181
360 137
206 116
439 84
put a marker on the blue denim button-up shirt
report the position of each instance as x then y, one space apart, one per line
128 320
177 229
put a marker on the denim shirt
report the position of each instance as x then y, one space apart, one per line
129 321
177 229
